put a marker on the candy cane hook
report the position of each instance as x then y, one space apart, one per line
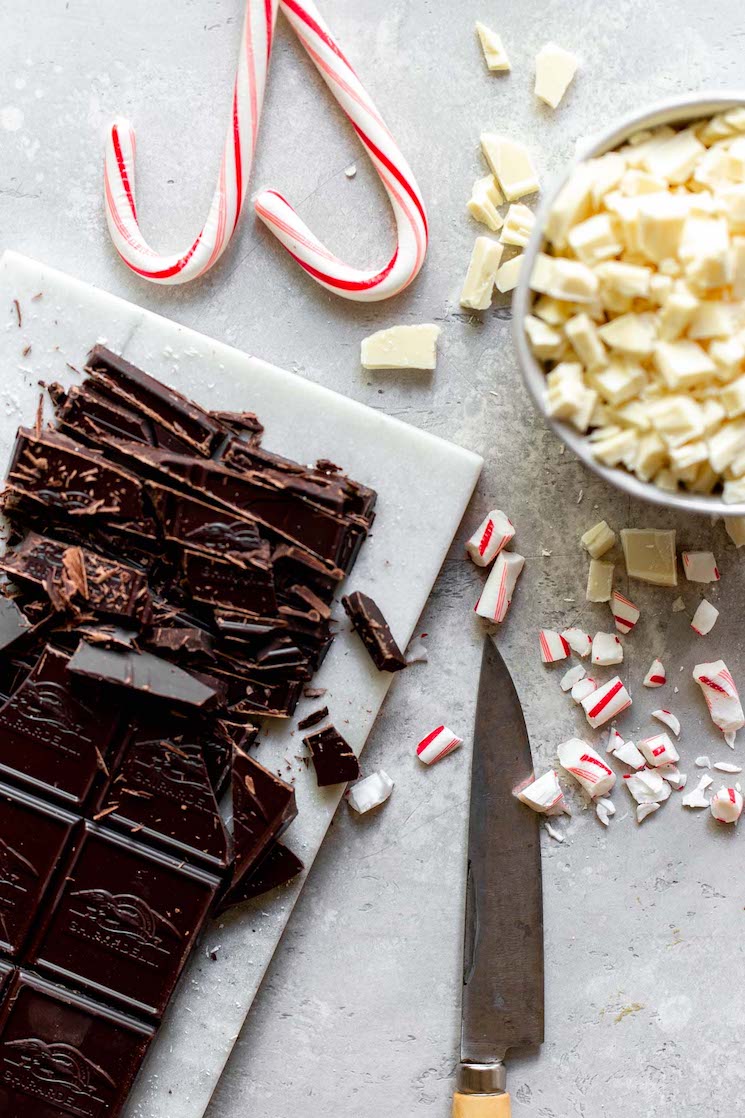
235 168
395 174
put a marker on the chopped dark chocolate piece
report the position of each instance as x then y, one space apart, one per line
182 641
86 414
161 788
143 672
64 1055
278 867
65 477
263 808
332 757
123 921
183 417
246 584
52 735
80 577
7 970
241 422
314 692
32 839
110 636
372 627
201 526
13 623
313 719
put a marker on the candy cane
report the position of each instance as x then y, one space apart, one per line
395 175
235 168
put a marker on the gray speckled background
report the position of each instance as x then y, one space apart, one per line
644 925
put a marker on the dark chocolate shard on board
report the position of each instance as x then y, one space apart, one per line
278 867
201 526
161 791
243 423
13 623
144 393
53 736
246 584
180 641
142 672
313 719
85 414
33 836
373 629
263 808
76 576
123 921
63 1055
332 757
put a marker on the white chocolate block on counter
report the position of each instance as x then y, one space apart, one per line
481 276
554 70
650 555
304 421
510 162
401 347
495 55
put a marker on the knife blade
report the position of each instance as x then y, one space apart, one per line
502 994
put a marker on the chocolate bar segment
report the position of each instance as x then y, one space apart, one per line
63 1055
32 839
123 921
76 578
141 672
54 737
161 792
278 867
263 807
246 584
332 757
13 623
373 629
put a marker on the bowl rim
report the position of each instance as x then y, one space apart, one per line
675 110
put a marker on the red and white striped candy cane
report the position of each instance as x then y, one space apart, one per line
395 174
235 168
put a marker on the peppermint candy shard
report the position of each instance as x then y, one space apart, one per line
625 613
726 805
493 534
667 719
545 795
587 767
606 702
437 745
656 675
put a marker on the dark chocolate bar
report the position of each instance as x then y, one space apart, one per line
123 921
246 584
143 672
65 1055
372 627
332 757
263 808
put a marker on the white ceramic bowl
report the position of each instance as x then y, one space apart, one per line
681 110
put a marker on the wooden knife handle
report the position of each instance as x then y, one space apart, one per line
481 1106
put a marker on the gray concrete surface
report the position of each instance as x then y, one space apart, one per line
645 956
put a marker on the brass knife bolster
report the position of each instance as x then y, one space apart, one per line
481 1079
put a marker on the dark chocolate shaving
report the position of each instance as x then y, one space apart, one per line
313 719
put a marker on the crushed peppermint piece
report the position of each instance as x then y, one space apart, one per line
700 566
673 775
604 809
629 755
726 805
729 737
587 767
647 787
416 653
606 702
578 640
492 535
574 675
659 750
705 618
370 792
643 810
668 720
696 797
606 649
615 741
545 795
656 675
496 596
584 688
702 762
625 613
553 833
553 646
719 691
727 767
437 745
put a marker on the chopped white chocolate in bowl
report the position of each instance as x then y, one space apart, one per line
643 264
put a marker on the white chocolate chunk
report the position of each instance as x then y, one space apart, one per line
495 55
563 279
677 312
545 341
493 534
554 312
573 204
545 795
554 70
606 702
599 581
499 587
683 363
508 275
726 805
482 274
732 397
606 649
622 379
678 419
586 343
370 792
635 334
667 719
711 320
587 767
700 566
567 397
705 252
625 281
598 539
721 695
650 555
401 347
661 218
510 162
595 239
578 640
674 158
518 225
482 205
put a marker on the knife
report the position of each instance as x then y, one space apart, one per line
503 944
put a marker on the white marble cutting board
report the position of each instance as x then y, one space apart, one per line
424 485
